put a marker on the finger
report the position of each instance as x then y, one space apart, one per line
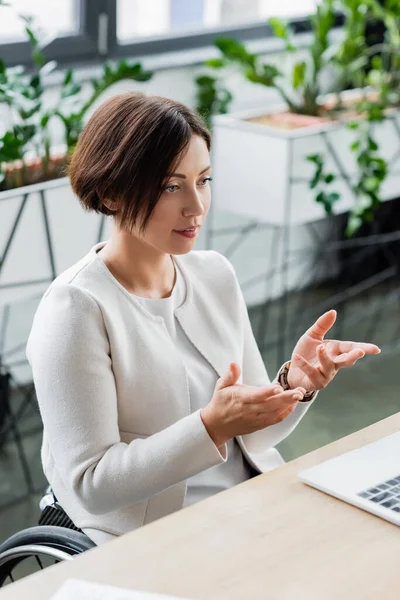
230 377
342 346
272 390
279 402
367 348
328 367
313 374
322 325
349 359
262 393
285 399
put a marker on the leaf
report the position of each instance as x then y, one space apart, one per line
321 198
27 114
24 133
333 197
317 175
327 200
10 147
124 70
107 70
35 81
329 178
215 63
68 77
38 57
70 87
353 225
143 76
299 71
372 144
355 146
353 125
236 51
44 120
315 158
32 37
279 28
205 80
375 113
376 63
266 77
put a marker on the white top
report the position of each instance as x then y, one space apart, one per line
202 378
120 437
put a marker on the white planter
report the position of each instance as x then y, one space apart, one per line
27 270
72 231
261 172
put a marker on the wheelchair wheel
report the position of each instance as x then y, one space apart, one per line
36 548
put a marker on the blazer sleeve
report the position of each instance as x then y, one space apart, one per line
69 353
254 373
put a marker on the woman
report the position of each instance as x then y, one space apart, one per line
152 390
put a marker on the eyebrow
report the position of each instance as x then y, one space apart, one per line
184 176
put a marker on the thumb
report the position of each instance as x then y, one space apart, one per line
230 377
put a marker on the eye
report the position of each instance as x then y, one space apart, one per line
205 181
171 188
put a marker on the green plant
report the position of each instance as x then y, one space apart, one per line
384 75
321 181
302 86
25 147
379 76
372 171
355 65
212 97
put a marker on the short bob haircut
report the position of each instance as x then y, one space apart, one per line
126 151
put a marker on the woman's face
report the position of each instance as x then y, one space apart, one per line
183 204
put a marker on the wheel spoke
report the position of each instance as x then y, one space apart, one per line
11 577
39 562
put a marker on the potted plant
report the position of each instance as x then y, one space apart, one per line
26 153
314 153
42 227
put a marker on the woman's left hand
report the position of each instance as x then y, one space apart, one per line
316 361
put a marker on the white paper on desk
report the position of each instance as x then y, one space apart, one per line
76 589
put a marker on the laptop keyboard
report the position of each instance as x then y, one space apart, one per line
385 494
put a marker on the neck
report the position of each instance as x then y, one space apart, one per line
139 268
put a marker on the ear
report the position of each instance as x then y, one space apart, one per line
112 205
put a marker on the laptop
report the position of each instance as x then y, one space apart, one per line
368 477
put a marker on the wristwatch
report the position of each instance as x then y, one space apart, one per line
283 382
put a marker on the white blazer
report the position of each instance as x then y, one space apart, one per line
120 439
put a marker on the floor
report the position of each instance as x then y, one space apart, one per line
356 398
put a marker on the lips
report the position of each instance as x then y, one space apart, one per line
187 229
190 232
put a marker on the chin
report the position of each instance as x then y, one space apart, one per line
180 249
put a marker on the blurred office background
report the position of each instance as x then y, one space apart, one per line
304 234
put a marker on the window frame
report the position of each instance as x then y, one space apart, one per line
83 49
98 40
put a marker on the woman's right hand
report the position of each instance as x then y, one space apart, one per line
237 409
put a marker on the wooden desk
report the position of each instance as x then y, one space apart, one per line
269 538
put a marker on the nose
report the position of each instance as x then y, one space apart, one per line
194 205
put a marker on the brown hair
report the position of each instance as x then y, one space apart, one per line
126 151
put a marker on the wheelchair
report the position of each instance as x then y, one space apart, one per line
55 539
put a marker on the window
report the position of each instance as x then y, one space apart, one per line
64 21
80 31
147 18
